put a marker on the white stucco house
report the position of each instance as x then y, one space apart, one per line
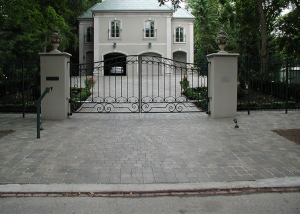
133 27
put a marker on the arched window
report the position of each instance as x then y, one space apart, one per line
115 29
89 34
179 34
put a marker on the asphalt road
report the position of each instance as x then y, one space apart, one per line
255 203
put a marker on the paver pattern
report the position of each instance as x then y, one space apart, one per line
148 148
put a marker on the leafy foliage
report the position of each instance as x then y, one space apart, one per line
206 25
26 25
77 96
175 3
184 83
256 29
289 34
89 83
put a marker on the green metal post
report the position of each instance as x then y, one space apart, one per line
23 89
249 82
207 83
38 110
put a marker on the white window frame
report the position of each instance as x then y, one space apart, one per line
154 29
89 30
183 35
110 29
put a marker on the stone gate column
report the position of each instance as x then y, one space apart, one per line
55 71
222 81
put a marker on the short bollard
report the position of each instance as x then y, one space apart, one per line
38 110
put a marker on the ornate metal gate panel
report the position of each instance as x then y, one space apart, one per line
138 84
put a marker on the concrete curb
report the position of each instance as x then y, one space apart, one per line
280 183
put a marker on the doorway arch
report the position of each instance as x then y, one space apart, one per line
180 60
90 62
114 60
152 60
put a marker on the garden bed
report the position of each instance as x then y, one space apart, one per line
198 95
78 95
290 134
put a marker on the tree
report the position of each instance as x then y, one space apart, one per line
263 52
26 25
175 3
206 26
289 34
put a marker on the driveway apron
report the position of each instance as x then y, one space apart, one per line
148 148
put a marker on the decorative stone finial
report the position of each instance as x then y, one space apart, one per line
221 41
55 40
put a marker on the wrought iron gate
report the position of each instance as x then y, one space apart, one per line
138 84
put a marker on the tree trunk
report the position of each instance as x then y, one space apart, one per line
264 37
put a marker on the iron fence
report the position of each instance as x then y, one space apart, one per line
19 85
275 86
260 87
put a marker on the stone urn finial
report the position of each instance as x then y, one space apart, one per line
221 41
55 40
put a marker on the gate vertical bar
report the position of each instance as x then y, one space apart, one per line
286 85
140 83
249 82
207 85
158 79
70 100
23 89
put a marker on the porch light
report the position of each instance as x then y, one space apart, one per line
150 44
114 44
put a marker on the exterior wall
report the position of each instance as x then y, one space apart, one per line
84 46
132 40
188 45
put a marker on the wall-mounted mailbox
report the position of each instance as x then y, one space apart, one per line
52 78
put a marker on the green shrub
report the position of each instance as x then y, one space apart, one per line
202 90
266 105
184 83
253 104
245 106
191 94
278 104
202 104
292 104
89 82
79 95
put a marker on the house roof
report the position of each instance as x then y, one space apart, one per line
125 5
88 14
181 13
134 5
